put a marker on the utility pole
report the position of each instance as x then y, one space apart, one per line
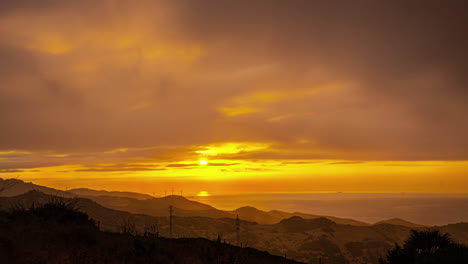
171 209
238 230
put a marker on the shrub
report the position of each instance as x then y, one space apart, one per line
427 247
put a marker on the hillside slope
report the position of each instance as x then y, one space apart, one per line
57 233
305 240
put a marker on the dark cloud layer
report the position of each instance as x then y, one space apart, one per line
155 73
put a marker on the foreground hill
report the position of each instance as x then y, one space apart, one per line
307 240
57 233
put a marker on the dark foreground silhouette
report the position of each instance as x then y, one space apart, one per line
428 247
57 232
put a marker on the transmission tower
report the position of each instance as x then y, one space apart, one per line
238 230
171 209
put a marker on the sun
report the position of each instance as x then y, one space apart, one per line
203 193
203 162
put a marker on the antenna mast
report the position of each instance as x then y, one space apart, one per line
238 230
171 209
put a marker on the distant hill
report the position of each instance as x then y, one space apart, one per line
274 216
137 203
90 192
17 187
253 214
158 206
400 222
185 207
298 224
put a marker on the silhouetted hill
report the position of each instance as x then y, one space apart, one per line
253 214
276 216
90 192
111 219
159 206
185 207
298 224
400 222
56 232
306 240
19 187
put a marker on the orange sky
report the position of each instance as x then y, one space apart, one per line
318 96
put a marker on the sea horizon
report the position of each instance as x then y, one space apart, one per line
366 207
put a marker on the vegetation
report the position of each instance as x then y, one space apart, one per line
427 247
57 232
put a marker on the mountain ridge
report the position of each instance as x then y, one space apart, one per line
305 240
400 222
159 206
92 192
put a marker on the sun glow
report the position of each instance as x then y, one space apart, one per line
217 149
203 162
203 193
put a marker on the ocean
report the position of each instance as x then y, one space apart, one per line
426 209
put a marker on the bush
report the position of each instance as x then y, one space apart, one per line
57 210
427 247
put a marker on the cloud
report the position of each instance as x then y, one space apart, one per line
157 74
182 165
345 162
222 164
241 110
10 171
118 169
280 117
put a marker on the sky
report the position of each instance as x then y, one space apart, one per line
275 96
